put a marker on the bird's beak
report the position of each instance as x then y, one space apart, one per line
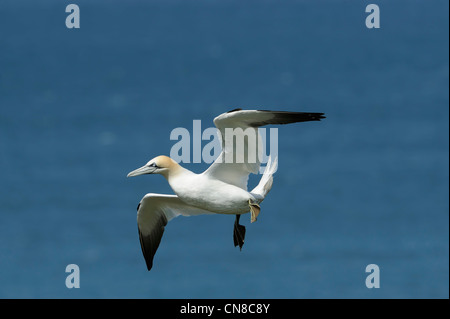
141 171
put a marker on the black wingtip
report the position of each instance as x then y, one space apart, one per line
286 117
303 115
148 255
318 116
235 110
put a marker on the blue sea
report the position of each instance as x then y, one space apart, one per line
80 108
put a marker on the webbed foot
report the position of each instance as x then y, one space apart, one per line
238 233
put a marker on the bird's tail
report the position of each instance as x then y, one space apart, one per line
265 184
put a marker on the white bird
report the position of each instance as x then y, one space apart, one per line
222 188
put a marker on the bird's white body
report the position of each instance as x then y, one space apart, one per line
205 192
222 188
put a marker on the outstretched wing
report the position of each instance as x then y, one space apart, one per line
239 134
154 212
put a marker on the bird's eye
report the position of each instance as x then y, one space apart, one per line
153 165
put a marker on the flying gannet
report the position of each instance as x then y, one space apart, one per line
222 188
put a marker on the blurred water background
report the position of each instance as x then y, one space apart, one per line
81 108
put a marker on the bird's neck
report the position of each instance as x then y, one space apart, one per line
175 171
180 180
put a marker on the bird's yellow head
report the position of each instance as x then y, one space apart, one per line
159 165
